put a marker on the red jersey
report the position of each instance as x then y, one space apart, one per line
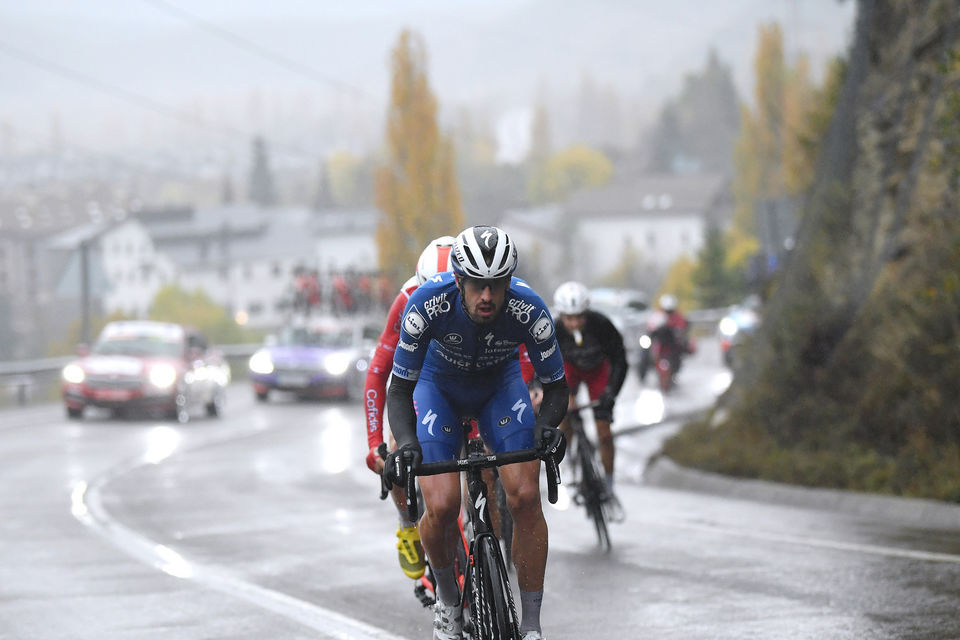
375 389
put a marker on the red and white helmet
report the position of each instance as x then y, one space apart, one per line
435 258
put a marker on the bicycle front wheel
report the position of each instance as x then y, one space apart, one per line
493 611
592 490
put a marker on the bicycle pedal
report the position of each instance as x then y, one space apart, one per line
425 599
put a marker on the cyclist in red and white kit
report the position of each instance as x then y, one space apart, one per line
434 259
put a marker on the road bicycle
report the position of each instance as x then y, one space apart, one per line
425 587
486 593
590 487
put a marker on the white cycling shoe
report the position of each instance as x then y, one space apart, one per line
447 622
533 635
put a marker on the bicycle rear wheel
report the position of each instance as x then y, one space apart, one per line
493 612
592 490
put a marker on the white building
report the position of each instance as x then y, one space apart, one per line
244 257
657 218
125 271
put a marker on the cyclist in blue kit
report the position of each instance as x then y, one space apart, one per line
457 356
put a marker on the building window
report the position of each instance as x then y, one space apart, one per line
247 272
255 309
651 239
277 270
685 239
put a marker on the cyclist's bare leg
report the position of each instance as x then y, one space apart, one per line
439 533
522 485
605 445
521 482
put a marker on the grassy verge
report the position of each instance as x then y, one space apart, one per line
918 470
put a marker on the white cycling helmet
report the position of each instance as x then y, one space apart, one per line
668 302
571 298
485 253
435 258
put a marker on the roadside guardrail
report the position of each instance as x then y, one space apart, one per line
26 381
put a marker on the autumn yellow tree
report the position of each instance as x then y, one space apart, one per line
566 171
780 135
416 189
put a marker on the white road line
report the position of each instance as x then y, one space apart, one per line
893 552
87 507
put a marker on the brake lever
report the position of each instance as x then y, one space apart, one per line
553 477
411 492
384 484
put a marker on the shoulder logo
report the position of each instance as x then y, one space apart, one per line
520 309
436 305
453 338
505 420
414 324
542 329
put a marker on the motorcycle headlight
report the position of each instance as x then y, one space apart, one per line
336 364
645 341
163 376
728 327
260 362
73 374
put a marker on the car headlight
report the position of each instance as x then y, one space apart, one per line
336 364
645 341
728 326
162 376
73 374
260 362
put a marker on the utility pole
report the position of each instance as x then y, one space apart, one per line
85 291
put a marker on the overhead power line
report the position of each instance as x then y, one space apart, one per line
115 91
254 48
130 96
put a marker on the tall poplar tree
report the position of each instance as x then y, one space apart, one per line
261 189
417 188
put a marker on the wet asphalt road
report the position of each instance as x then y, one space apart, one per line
266 524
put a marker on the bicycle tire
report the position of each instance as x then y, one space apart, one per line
592 487
493 610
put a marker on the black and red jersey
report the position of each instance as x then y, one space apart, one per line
599 340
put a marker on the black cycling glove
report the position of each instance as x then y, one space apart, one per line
395 465
605 402
550 440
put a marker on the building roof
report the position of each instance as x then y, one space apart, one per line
654 195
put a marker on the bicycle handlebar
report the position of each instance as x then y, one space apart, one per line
593 404
480 462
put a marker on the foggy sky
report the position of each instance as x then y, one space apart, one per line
496 55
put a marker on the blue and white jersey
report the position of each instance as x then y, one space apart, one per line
437 335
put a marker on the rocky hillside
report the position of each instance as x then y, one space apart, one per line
854 380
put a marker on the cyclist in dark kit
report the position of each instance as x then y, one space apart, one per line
593 354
